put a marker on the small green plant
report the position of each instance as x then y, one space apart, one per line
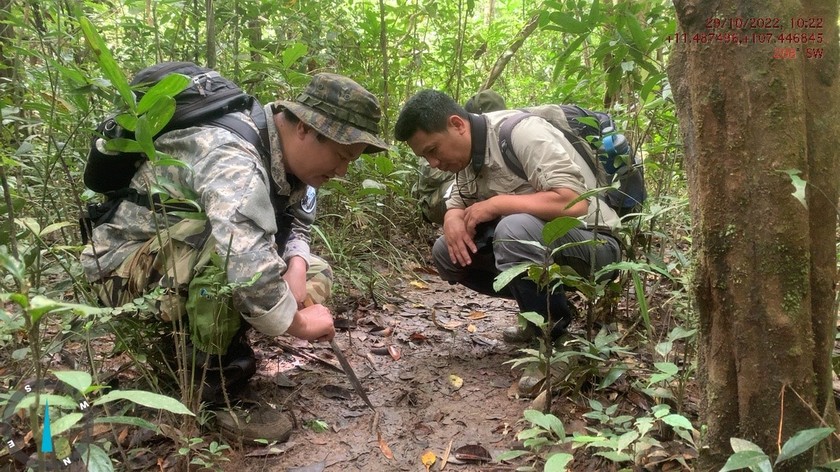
319 426
540 440
207 456
624 438
749 456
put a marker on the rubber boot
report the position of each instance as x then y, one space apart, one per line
530 298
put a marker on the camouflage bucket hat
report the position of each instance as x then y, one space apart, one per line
340 109
485 101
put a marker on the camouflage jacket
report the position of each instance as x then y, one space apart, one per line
227 177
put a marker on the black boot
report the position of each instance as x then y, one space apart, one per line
530 298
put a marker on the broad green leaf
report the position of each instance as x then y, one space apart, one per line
533 317
640 39
556 426
568 23
145 137
740 445
802 441
54 227
559 227
745 460
74 378
127 420
293 53
56 401
558 462
11 265
127 121
614 374
149 399
65 422
159 114
168 87
677 421
123 145
627 439
29 223
106 61
503 279
536 417
798 185
615 456
95 459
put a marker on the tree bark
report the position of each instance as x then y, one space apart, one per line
383 50
211 34
765 264
506 56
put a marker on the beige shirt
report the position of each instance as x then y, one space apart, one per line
548 159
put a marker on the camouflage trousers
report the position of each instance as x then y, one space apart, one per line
184 277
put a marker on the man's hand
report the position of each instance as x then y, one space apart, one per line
478 213
459 239
295 277
313 323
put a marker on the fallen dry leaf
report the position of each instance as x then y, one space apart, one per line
455 381
471 328
476 315
384 446
449 326
418 337
445 458
419 284
428 459
394 351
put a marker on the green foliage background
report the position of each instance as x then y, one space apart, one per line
589 52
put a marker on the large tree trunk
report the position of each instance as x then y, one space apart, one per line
765 264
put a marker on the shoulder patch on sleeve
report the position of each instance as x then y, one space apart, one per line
310 198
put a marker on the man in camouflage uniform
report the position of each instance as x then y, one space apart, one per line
251 209
434 185
493 214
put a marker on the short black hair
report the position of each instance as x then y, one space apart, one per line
428 111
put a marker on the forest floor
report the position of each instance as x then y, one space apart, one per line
434 366
446 386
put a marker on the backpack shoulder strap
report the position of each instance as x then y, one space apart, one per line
506 146
259 139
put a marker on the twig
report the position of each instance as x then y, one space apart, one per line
289 348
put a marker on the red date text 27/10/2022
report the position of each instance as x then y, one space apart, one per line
797 23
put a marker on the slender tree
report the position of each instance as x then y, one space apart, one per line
766 261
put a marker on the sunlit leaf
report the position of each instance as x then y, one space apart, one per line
106 61
798 185
559 227
149 399
74 378
558 462
802 441
293 53
168 87
745 460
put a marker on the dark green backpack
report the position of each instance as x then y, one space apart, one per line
206 101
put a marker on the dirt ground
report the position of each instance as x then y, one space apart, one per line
444 385
420 407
